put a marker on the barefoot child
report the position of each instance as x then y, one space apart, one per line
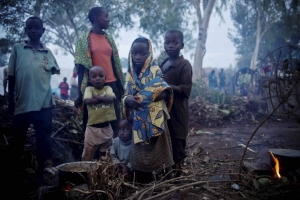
99 100
146 102
121 147
178 74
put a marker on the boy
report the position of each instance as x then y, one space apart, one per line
30 67
99 100
64 87
121 147
177 72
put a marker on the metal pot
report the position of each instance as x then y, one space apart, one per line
75 172
289 159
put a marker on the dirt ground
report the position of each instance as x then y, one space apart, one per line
214 156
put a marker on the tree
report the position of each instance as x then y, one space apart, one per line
64 20
262 25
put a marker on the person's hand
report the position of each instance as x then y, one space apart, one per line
11 107
124 169
165 77
78 101
133 102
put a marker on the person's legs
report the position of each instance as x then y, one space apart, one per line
103 148
43 127
179 154
90 147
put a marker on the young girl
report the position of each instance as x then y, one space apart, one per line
147 100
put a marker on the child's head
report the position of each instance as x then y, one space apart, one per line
34 28
139 52
98 16
97 77
173 43
125 130
65 79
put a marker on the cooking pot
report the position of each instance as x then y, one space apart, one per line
289 159
75 172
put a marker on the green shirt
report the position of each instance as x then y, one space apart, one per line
32 70
102 112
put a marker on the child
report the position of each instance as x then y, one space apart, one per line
96 47
178 74
146 102
99 100
30 67
74 89
64 87
121 147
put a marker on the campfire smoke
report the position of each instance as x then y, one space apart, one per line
276 164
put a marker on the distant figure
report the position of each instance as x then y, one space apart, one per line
267 69
99 100
74 87
5 78
212 80
222 77
244 83
64 88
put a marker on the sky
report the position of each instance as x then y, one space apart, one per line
220 52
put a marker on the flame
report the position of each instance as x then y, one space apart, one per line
276 164
66 187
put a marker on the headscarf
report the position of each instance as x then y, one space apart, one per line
148 120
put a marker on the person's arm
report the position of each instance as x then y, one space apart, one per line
80 73
161 96
11 101
98 99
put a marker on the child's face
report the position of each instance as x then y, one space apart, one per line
139 52
125 131
34 29
102 19
97 77
172 44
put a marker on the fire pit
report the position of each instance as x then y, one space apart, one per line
75 173
287 160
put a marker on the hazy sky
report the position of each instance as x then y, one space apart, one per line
219 54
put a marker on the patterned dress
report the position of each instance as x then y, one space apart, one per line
152 149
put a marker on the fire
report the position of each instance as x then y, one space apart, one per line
276 164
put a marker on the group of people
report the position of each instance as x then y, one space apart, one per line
212 80
144 126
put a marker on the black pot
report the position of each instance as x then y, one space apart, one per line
289 159
75 172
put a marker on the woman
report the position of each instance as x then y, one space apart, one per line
97 48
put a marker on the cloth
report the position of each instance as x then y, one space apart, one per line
42 123
96 139
102 112
120 152
212 80
156 153
25 64
179 74
83 57
148 121
101 55
154 156
178 146
64 88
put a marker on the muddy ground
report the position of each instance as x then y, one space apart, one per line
207 147
213 157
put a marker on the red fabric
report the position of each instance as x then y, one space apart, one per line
267 68
64 87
